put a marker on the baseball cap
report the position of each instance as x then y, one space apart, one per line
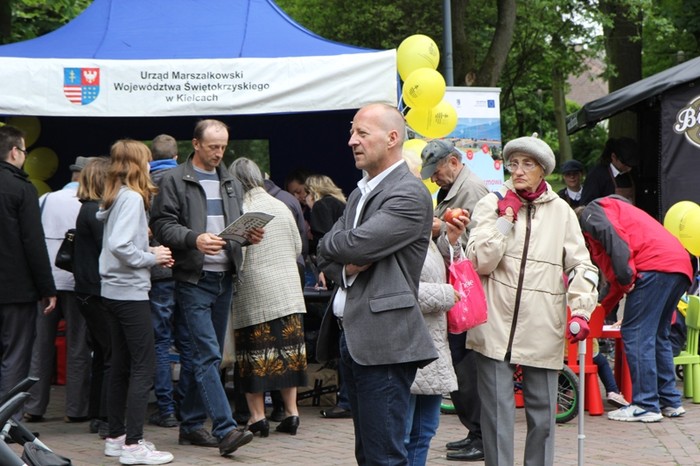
433 153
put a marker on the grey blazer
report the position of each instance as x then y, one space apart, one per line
382 320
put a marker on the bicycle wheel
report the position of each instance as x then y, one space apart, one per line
567 396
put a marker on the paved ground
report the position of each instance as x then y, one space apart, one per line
330 442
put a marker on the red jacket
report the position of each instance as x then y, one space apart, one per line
624 240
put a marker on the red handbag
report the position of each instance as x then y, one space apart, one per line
471 309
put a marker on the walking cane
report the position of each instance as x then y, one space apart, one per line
574 328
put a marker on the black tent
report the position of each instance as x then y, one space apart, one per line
667 105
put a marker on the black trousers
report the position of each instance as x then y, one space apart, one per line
133 367
466 398
95 314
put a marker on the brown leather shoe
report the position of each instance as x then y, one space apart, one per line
234 440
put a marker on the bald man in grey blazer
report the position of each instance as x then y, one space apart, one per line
375 252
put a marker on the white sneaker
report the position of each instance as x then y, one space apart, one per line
144 453
634 413
616 399
673 412
113 446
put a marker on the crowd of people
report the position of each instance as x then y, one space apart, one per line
153 272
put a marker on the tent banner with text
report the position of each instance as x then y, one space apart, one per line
240 86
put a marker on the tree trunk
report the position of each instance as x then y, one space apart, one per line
464 56
623 46
495 60
559 99
5 20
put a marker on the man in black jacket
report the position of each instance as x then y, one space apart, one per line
197 199
25 270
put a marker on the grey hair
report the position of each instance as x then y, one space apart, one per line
247 172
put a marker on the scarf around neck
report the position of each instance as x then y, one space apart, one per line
531 196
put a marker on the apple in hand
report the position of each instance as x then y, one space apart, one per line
452 214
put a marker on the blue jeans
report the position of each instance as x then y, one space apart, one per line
421 426
343 401
163 303
379 400
202 315
645 333
605 373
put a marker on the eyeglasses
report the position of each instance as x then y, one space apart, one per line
21 150
527 166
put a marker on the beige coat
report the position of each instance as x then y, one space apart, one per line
522 271
270 286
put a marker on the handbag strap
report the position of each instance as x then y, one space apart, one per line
452 253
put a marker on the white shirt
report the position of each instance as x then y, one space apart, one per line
614 170
365 185
574 195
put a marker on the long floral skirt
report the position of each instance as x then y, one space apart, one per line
272 355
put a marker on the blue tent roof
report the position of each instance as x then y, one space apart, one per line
162 29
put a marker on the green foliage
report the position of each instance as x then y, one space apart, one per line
550 35
33 18
670 34
376 24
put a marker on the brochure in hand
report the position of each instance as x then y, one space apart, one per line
236 230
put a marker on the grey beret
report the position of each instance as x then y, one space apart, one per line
535 148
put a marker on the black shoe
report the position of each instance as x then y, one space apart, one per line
103 431
468 454
199 438
234 440
277 415
459 444
261 426
163 420
97 424
32 417
73 419
289 425
336 413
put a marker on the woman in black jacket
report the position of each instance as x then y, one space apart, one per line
88 240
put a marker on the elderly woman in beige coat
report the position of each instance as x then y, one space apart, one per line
526 239
268 307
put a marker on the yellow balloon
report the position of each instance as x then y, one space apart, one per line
41 186
436 122
424 88
689 231
41 163
416 51
415 146
30 125
432 187
674 216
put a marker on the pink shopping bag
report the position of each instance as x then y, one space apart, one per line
470 310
